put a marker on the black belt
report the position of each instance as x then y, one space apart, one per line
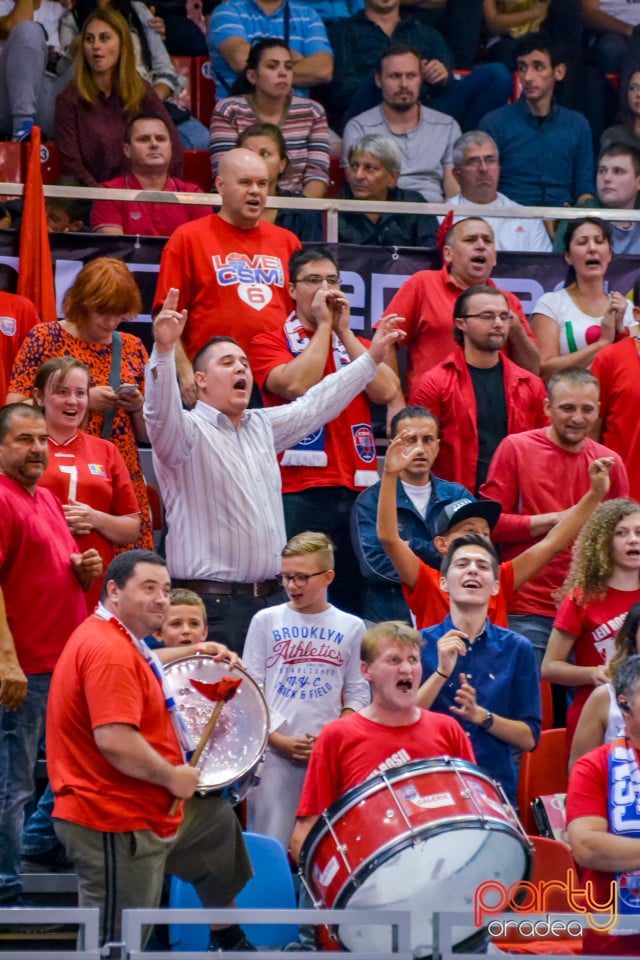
261 588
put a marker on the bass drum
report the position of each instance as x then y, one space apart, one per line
421 837
231 761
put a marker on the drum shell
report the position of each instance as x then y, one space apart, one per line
231 760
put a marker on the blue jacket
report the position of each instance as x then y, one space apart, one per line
384 600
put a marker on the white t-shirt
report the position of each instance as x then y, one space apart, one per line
511 234
577 329
626 10
419 496
308 666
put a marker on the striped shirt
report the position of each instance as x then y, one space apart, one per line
221 486
245 19
304 128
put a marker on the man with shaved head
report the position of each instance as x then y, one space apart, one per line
230 267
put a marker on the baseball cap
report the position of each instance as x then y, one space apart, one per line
459 510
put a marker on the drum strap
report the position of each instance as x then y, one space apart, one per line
183 736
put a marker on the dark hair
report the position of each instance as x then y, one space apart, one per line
411 413
627 677
21 409
540 41
615 149
625 116
242 84
263 129
396 50
144 116
122 567
577 376
460 306
626 644
199 361
470 540
309 255
572 226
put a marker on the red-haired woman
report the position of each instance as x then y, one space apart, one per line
103 295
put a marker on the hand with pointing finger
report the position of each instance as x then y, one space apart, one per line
169 323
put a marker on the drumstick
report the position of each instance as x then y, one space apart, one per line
220 692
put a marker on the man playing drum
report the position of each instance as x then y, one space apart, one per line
388 733
115 762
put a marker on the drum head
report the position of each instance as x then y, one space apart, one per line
240 736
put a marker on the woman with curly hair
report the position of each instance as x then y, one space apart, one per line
601 720
603 583
95 109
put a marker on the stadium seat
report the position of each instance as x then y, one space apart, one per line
11 162
270 887
542 771
196 168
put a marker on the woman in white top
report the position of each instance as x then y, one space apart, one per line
601 719
573 324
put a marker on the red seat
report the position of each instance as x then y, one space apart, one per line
337 178
197 168
542 771
204 87
546 700
11 162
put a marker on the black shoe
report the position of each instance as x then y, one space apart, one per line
54 859
229 939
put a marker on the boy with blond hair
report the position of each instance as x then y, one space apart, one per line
305 654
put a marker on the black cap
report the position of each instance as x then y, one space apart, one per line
459 510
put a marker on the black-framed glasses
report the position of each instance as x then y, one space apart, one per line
300 579
314 280
489 316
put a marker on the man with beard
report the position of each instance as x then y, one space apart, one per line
426 136
478 395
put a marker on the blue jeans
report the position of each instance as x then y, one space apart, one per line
38 835
20 734
193 134
535 628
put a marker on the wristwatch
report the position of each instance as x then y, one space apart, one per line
487 723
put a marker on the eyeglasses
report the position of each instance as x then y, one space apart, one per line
300 579
477 162
314 280
488 316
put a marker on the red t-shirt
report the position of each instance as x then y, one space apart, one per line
347 441
101 679
587 796
233 282
617 367
354 748
595 627
17 316
430 604
43 597
529 474
91 470
146 219
426 300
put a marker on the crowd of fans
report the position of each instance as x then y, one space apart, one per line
283 534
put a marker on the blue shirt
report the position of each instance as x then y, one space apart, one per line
384 599
543 160
245 19
500 665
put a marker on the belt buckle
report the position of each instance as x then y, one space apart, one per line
256 585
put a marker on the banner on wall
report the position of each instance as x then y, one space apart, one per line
370 275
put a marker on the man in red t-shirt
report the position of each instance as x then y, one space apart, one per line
536 476
42 576
148 148
388 733
230 268
426 301
603 801
421 583
116 749
323 474
17 316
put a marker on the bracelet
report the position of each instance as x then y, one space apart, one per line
443 675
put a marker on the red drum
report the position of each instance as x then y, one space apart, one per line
421 837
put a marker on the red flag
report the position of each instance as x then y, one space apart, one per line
35 277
